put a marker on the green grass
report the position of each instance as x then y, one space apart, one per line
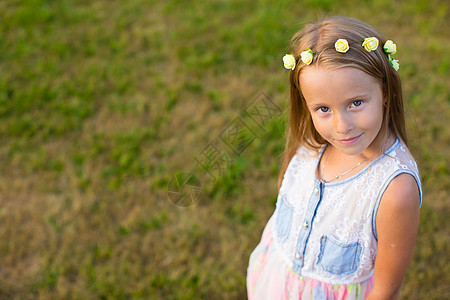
103 102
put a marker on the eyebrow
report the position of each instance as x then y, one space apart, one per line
359 97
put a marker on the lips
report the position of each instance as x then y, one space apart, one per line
350 140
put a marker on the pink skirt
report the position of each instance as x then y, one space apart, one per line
270 277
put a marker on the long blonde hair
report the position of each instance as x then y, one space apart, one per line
320 38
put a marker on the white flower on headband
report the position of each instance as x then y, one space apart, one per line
341 45
307 56
370 44
390 47
394 62
289 61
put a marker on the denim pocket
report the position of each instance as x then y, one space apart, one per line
284 219
338 258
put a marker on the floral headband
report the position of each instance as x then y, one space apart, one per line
342 45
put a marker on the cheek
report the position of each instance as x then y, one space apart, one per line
373 121
320 126
377 118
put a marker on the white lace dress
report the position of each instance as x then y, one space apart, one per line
321 241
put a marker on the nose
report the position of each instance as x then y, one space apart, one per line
342 123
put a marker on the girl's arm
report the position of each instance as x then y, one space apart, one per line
397 222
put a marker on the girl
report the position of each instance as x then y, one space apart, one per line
347 212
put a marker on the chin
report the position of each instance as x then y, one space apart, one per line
349 150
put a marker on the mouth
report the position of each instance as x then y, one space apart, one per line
350 141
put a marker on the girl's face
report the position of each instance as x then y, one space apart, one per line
346 106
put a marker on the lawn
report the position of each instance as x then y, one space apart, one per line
110 112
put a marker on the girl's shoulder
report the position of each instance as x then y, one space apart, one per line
402 193
300 167
400 158
404 183
404 169
306 156
305 152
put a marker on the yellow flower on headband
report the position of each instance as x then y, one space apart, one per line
390 47
289 61
341 45
370 44
307 56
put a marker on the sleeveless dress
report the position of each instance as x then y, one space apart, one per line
321 241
